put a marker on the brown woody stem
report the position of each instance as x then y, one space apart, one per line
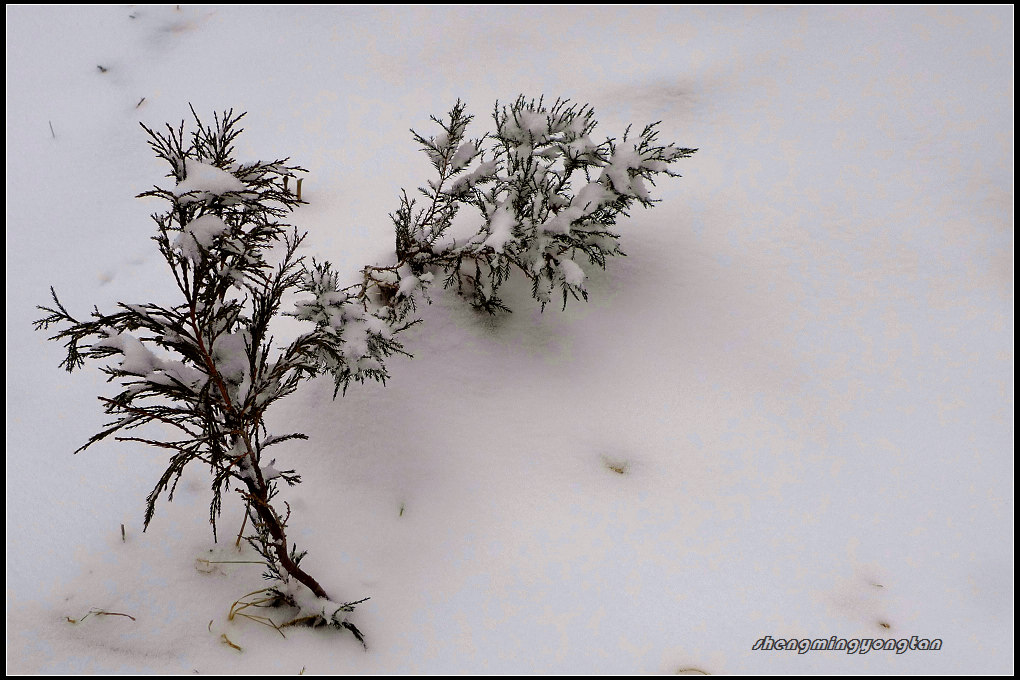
274 526
258 488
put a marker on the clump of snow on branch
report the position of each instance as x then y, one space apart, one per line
203 181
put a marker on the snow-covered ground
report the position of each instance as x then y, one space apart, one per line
803 368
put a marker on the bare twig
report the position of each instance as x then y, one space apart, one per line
244 523
98 612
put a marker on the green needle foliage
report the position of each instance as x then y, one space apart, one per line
545 198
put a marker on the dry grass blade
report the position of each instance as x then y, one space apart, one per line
265 621
237 609
226 641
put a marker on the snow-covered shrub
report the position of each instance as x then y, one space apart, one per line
208 368
544 196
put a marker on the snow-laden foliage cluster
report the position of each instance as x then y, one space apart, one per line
357 323
543 195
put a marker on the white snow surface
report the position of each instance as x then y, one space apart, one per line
787 412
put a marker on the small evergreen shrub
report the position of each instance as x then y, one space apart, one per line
544 195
